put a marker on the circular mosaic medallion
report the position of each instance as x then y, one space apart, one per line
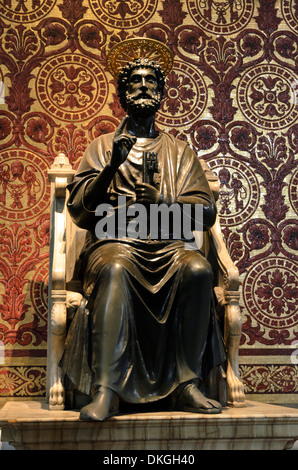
71 87
270 292
239 191
39 290
123 13
221 17
266 98
185 96
290 13
24 190
25 11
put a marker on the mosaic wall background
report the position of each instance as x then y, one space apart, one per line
233 94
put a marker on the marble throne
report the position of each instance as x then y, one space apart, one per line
66 241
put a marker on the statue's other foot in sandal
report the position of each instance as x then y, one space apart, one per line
105 403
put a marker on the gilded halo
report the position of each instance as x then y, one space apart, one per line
135 48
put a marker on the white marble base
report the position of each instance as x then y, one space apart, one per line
258 426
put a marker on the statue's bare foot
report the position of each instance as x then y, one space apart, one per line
105 403
192 400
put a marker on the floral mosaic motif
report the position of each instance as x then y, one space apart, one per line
277 292
267 98
185 96
270 293
270 96
123 8
272 150
203 136
22 381
172 13
179 95
15 264
123 13
20 43
268 379
71 141
71 87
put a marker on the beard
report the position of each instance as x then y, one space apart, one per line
145 105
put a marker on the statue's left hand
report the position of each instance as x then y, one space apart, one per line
147 194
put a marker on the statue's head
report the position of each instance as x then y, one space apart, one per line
140 56
129 85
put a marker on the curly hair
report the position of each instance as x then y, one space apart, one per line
125 74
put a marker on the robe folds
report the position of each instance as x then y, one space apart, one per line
151 321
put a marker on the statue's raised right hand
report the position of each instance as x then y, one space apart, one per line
122 145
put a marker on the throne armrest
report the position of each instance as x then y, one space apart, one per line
228 269
229 281
227 292
228 295
60 174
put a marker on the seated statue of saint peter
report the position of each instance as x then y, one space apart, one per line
152 328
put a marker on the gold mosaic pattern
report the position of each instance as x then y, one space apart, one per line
232 94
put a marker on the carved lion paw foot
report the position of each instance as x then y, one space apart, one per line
236 390
57 396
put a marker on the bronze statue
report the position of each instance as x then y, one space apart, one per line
153 329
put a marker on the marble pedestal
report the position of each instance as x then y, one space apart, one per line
258 426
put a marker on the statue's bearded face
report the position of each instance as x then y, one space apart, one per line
142 93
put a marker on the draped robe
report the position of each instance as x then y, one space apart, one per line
152 322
